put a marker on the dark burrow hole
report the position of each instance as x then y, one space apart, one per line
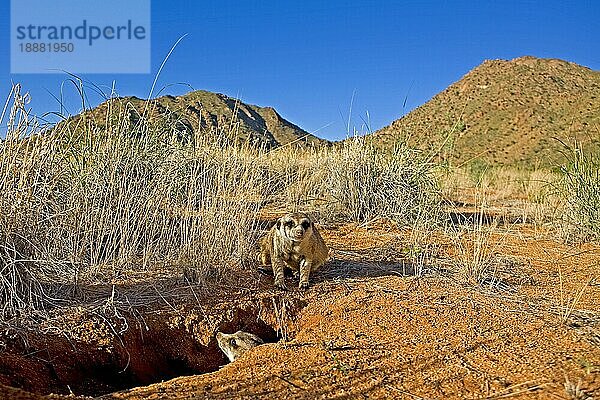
152 352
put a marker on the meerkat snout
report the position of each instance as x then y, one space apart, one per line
301 229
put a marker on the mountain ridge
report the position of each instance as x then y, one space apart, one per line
205 112
506 112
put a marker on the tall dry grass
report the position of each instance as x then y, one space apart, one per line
81 205
356 181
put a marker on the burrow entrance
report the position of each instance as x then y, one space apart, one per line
154 347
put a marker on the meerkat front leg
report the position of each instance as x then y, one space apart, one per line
305 267
278 271
264 257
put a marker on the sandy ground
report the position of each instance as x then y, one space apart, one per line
369 327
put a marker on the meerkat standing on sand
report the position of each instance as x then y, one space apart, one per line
295 243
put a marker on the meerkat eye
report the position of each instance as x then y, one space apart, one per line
305 224
232 342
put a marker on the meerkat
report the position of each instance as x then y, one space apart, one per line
295 243
236 344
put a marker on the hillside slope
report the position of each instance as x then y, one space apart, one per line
199 111
506 112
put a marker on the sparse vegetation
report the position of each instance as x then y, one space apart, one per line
574 391
579 186
475 250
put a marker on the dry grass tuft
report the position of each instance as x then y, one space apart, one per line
574 391
86 204
356 181
579 186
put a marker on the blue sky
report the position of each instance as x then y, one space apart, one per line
311 59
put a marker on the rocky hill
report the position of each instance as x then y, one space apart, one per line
506 112
199 111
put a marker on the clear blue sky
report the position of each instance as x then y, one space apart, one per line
308 58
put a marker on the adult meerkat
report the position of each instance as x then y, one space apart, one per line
294 242
236 344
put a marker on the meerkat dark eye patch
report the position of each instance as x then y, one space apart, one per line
232 342
305 224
